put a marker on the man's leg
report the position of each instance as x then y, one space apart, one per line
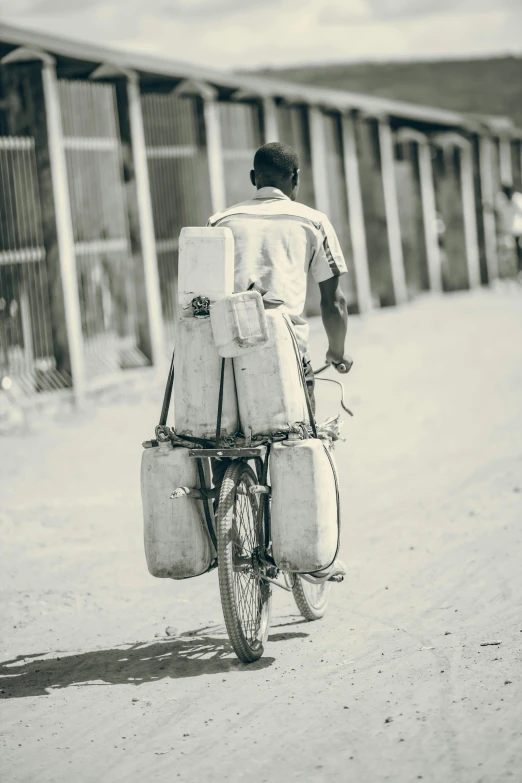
219 468
310 380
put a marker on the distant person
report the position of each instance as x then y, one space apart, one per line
511 219
277 241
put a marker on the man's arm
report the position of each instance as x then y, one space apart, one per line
335 319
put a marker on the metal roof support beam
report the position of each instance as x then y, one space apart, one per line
271 130
429 209
488 205
356 215
146 222
391 208
63 228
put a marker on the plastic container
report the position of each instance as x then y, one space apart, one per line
177 542
304 518
205 264
197 374
269 389
239 323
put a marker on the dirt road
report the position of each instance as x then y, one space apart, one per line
394 684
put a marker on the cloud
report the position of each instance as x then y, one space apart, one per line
377 11
253 33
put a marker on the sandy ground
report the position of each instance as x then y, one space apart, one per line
392 685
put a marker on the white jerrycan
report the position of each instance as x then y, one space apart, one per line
197 376
205 264
239 323
177 542
270 393
304 513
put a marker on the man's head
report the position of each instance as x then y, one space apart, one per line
277 166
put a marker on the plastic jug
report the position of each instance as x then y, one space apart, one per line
239 323
304 514
205 264
269 388
177 542
197 375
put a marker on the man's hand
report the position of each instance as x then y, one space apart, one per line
342 364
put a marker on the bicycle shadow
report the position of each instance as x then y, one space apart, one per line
189 655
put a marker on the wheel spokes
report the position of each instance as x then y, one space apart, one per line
246 576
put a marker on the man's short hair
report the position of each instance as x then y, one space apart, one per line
276 160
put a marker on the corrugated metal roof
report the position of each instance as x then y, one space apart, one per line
81 54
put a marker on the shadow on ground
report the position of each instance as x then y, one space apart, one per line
190 655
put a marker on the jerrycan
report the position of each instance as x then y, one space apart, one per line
304 511
269 388
177 542
205 264
197 376
239 323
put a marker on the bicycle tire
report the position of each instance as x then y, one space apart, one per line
245 597
311 600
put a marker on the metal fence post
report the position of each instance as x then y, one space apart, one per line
506 168
470 218
391 208
317 144
215 154
356 215
488 205
271 130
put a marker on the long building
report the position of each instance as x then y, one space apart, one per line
105 155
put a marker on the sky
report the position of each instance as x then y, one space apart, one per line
264 33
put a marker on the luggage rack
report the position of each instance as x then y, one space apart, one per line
237 452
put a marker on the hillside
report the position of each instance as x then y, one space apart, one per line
486 86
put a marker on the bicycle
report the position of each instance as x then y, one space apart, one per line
239 528
242 536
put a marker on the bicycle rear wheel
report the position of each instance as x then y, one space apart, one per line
311 600
245 596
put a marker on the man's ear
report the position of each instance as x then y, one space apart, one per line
253 177
295 178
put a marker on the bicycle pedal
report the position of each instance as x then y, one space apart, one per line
337 578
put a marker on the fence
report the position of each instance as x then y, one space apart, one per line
104 260
413 205
179 184
27 352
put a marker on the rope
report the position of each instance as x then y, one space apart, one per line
206 509
220 403
168 394
332 380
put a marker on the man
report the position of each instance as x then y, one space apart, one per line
277 241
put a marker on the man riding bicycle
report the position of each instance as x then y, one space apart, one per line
277 241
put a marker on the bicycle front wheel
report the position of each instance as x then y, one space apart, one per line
245 596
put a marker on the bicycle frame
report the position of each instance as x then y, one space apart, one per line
260 455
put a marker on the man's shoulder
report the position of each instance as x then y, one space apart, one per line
235 208
311 214
275 207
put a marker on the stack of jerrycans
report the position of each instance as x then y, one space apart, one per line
177 541
262 394
271 398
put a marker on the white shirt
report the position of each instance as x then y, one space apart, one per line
277 241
